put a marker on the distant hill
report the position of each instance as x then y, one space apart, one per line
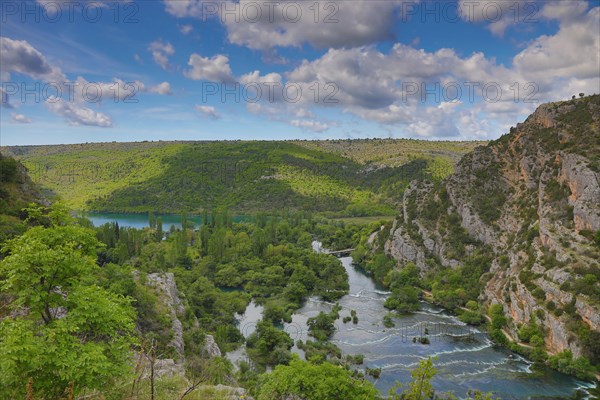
349 178
518 224
16 192
395 152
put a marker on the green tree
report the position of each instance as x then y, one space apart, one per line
322 326
64 330
403 299
269 345
301 379
420 387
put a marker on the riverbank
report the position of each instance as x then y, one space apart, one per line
465 356
428 296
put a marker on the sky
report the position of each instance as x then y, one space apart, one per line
96 71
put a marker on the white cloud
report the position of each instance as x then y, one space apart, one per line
267 88
338 24
499 15
435 122
161 52
310 125
19 56
214 69
184 8
303 113
208 111
323 24
572 52
260 109
565 11
20 118
77 114
185 29
163 88
374 85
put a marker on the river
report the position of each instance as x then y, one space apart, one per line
465 356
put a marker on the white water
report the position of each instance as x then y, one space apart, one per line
465 357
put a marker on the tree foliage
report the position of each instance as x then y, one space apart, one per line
316 382
62 329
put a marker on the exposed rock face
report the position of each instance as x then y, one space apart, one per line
211 347
585 192
165 284
167 368
169 295
532 200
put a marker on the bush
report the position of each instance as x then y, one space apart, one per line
301 379
528 332
321 327
269 345
565 363
388 322
471 317
403 300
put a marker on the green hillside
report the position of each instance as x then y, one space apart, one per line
16 192
344 178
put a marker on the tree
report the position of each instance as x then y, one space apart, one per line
301 379
269 345
64 331
403 299
322 326
159 229
420 387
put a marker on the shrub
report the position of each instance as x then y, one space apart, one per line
579 367
403 300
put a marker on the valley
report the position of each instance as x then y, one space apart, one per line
300 200
226 286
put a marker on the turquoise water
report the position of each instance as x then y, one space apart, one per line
140 221
466 358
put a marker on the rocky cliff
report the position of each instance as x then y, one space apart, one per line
167 294
526 210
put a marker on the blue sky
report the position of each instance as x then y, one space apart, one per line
158 70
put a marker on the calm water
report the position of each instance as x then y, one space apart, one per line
466 357
140 221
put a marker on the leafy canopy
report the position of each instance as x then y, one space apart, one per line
62 329
316 382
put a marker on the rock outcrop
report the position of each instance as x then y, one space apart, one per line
531 200
167 288
211 347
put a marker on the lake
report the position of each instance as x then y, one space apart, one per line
140 221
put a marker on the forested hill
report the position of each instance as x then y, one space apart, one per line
16 192
350 178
